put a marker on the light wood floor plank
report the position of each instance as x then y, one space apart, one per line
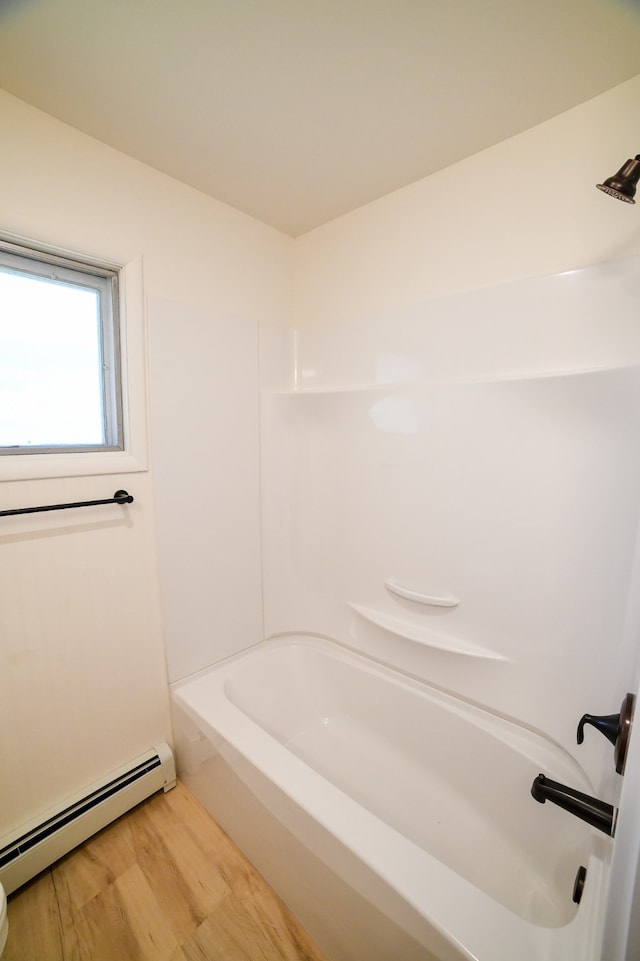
165 851
193 871
43 939
145 917
163 883
205 830
97 863
261 903
103 926
71 922
229 934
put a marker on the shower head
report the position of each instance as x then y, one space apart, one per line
622 185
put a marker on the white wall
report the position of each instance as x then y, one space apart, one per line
82 662
524 207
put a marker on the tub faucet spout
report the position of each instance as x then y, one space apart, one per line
595 812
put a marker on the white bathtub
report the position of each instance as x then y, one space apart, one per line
396 821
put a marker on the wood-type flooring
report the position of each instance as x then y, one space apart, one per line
163 883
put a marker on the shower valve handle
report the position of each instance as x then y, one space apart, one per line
615 727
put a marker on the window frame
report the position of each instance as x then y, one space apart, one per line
128 299
36 263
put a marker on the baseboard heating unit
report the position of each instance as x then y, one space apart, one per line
35 846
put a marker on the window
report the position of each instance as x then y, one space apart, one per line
60 384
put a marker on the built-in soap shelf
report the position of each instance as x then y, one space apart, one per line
422 635
441 599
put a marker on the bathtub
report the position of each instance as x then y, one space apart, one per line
394 820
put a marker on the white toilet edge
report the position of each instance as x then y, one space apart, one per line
4 921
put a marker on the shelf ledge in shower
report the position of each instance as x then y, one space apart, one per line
342 389
453 378
442 599
421 635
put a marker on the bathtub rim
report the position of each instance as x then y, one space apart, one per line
498 725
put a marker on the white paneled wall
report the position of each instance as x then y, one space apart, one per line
206 461
82 673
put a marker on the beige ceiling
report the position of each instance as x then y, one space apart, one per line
296 111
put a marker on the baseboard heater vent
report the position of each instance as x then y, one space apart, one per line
37 845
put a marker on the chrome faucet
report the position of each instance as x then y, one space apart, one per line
595 812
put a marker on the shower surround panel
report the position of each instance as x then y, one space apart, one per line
483 447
